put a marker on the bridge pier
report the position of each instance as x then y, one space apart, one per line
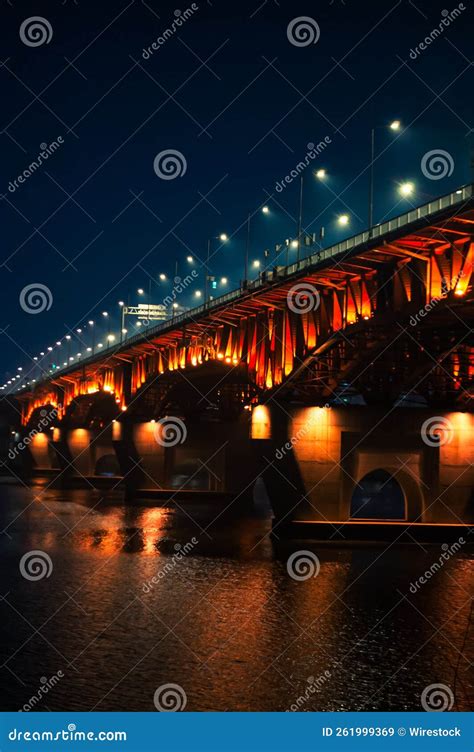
336 464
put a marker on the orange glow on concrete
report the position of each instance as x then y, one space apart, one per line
261 423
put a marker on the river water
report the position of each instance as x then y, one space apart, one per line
223 619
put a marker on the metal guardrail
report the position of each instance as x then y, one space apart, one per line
377 231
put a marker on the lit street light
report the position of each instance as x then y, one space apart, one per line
343 220
406 189
395 125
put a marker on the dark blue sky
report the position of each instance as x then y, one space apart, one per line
231 93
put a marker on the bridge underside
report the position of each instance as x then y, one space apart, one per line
386 324
387 316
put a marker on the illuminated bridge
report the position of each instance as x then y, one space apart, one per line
345 357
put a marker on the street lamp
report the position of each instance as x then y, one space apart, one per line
343 220
223 237
406 189
321 173
264 210
141 291
395 126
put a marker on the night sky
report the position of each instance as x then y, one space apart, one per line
240 102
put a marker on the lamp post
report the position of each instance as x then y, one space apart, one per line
395 125
223 238
264 210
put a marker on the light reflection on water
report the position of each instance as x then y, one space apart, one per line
225 621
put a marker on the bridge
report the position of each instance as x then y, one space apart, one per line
382 319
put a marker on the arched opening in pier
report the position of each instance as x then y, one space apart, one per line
107 466
378 496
